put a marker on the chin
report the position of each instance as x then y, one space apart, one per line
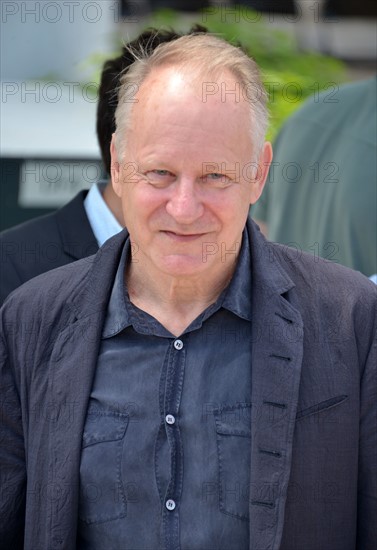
182 265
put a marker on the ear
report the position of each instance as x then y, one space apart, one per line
264 163
115 168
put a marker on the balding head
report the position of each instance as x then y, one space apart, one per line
216 69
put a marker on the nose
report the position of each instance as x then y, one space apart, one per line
184 204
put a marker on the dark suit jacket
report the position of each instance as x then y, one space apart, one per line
313 415
44 243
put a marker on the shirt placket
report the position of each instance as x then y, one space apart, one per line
176 359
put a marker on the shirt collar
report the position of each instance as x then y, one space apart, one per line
235 298
117 317
103 222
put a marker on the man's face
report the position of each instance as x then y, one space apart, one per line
186 179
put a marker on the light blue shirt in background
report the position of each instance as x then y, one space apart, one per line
102 220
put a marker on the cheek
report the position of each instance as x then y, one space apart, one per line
152 201
145 206
234 207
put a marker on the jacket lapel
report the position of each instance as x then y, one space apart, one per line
76 234
74 358
277 351
72 367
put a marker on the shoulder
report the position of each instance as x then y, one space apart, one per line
329 290
343 101
49 291
28 250
35 313
77 288
338 307
45 243
43 228
310 270
38 228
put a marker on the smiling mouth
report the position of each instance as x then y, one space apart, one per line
183 237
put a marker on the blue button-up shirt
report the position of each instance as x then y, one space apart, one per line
166 447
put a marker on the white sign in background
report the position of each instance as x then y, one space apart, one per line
52 183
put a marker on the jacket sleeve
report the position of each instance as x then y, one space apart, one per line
367 479
12 455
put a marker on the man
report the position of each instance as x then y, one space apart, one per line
70 233
192 385
77 229
321 195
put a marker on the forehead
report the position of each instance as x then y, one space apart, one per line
181 105
165 84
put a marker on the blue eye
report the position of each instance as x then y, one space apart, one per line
216 179
159 177
161 172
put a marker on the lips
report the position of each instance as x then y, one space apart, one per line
183 237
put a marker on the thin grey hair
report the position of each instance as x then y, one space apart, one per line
206 58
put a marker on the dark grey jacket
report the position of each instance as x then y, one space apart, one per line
44 243
313 425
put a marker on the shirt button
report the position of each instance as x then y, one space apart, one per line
178 344
170 419
170 504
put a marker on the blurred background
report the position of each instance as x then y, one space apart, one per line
52 54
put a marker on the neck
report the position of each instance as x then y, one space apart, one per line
113 203
175 301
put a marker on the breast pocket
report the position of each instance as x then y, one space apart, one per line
233 436
102 494
328 406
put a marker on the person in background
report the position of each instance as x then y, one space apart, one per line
81 226
321 194
192 385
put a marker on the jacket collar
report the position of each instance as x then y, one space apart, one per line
77 237
267 271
